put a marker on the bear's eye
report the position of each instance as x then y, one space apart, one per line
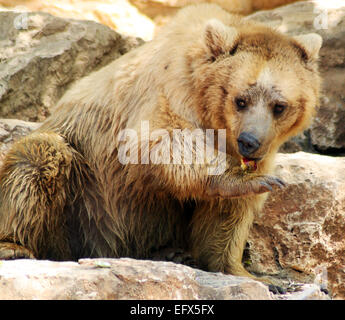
278 109
233 50
212 59
241 104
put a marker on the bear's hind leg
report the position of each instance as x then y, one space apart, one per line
33 190
10 250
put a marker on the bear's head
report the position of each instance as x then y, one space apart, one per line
260 85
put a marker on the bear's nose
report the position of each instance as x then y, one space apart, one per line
247 144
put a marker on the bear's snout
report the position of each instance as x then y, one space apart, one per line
248 144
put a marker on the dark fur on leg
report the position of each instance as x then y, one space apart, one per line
33 194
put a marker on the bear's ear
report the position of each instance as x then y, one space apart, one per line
310 45
219 38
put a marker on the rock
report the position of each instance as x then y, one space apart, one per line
41 55
327 133
156 8
268 4
299 143
120 279
119 15
306 292
12 130
94 279
162 10
300 232
131 17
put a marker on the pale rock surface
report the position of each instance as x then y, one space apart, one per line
119 15
161 11
136 18
120 279
308 292
95 279
156 8
42 55
300 232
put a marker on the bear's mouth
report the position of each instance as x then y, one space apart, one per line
252 159
249 164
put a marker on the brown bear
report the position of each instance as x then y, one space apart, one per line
103 176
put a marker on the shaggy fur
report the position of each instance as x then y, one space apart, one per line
65 195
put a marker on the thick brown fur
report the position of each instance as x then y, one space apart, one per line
65 195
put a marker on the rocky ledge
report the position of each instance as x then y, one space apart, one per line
300 233
125 278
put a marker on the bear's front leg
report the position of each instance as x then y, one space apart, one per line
219 233
237 185
221 223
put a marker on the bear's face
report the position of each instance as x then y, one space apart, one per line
259 85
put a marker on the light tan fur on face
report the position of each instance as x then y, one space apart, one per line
79 200
265 78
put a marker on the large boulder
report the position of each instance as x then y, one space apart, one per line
41 55
166 8
119 15
327 133
156 8
161 11
125 278
120 279
300 233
